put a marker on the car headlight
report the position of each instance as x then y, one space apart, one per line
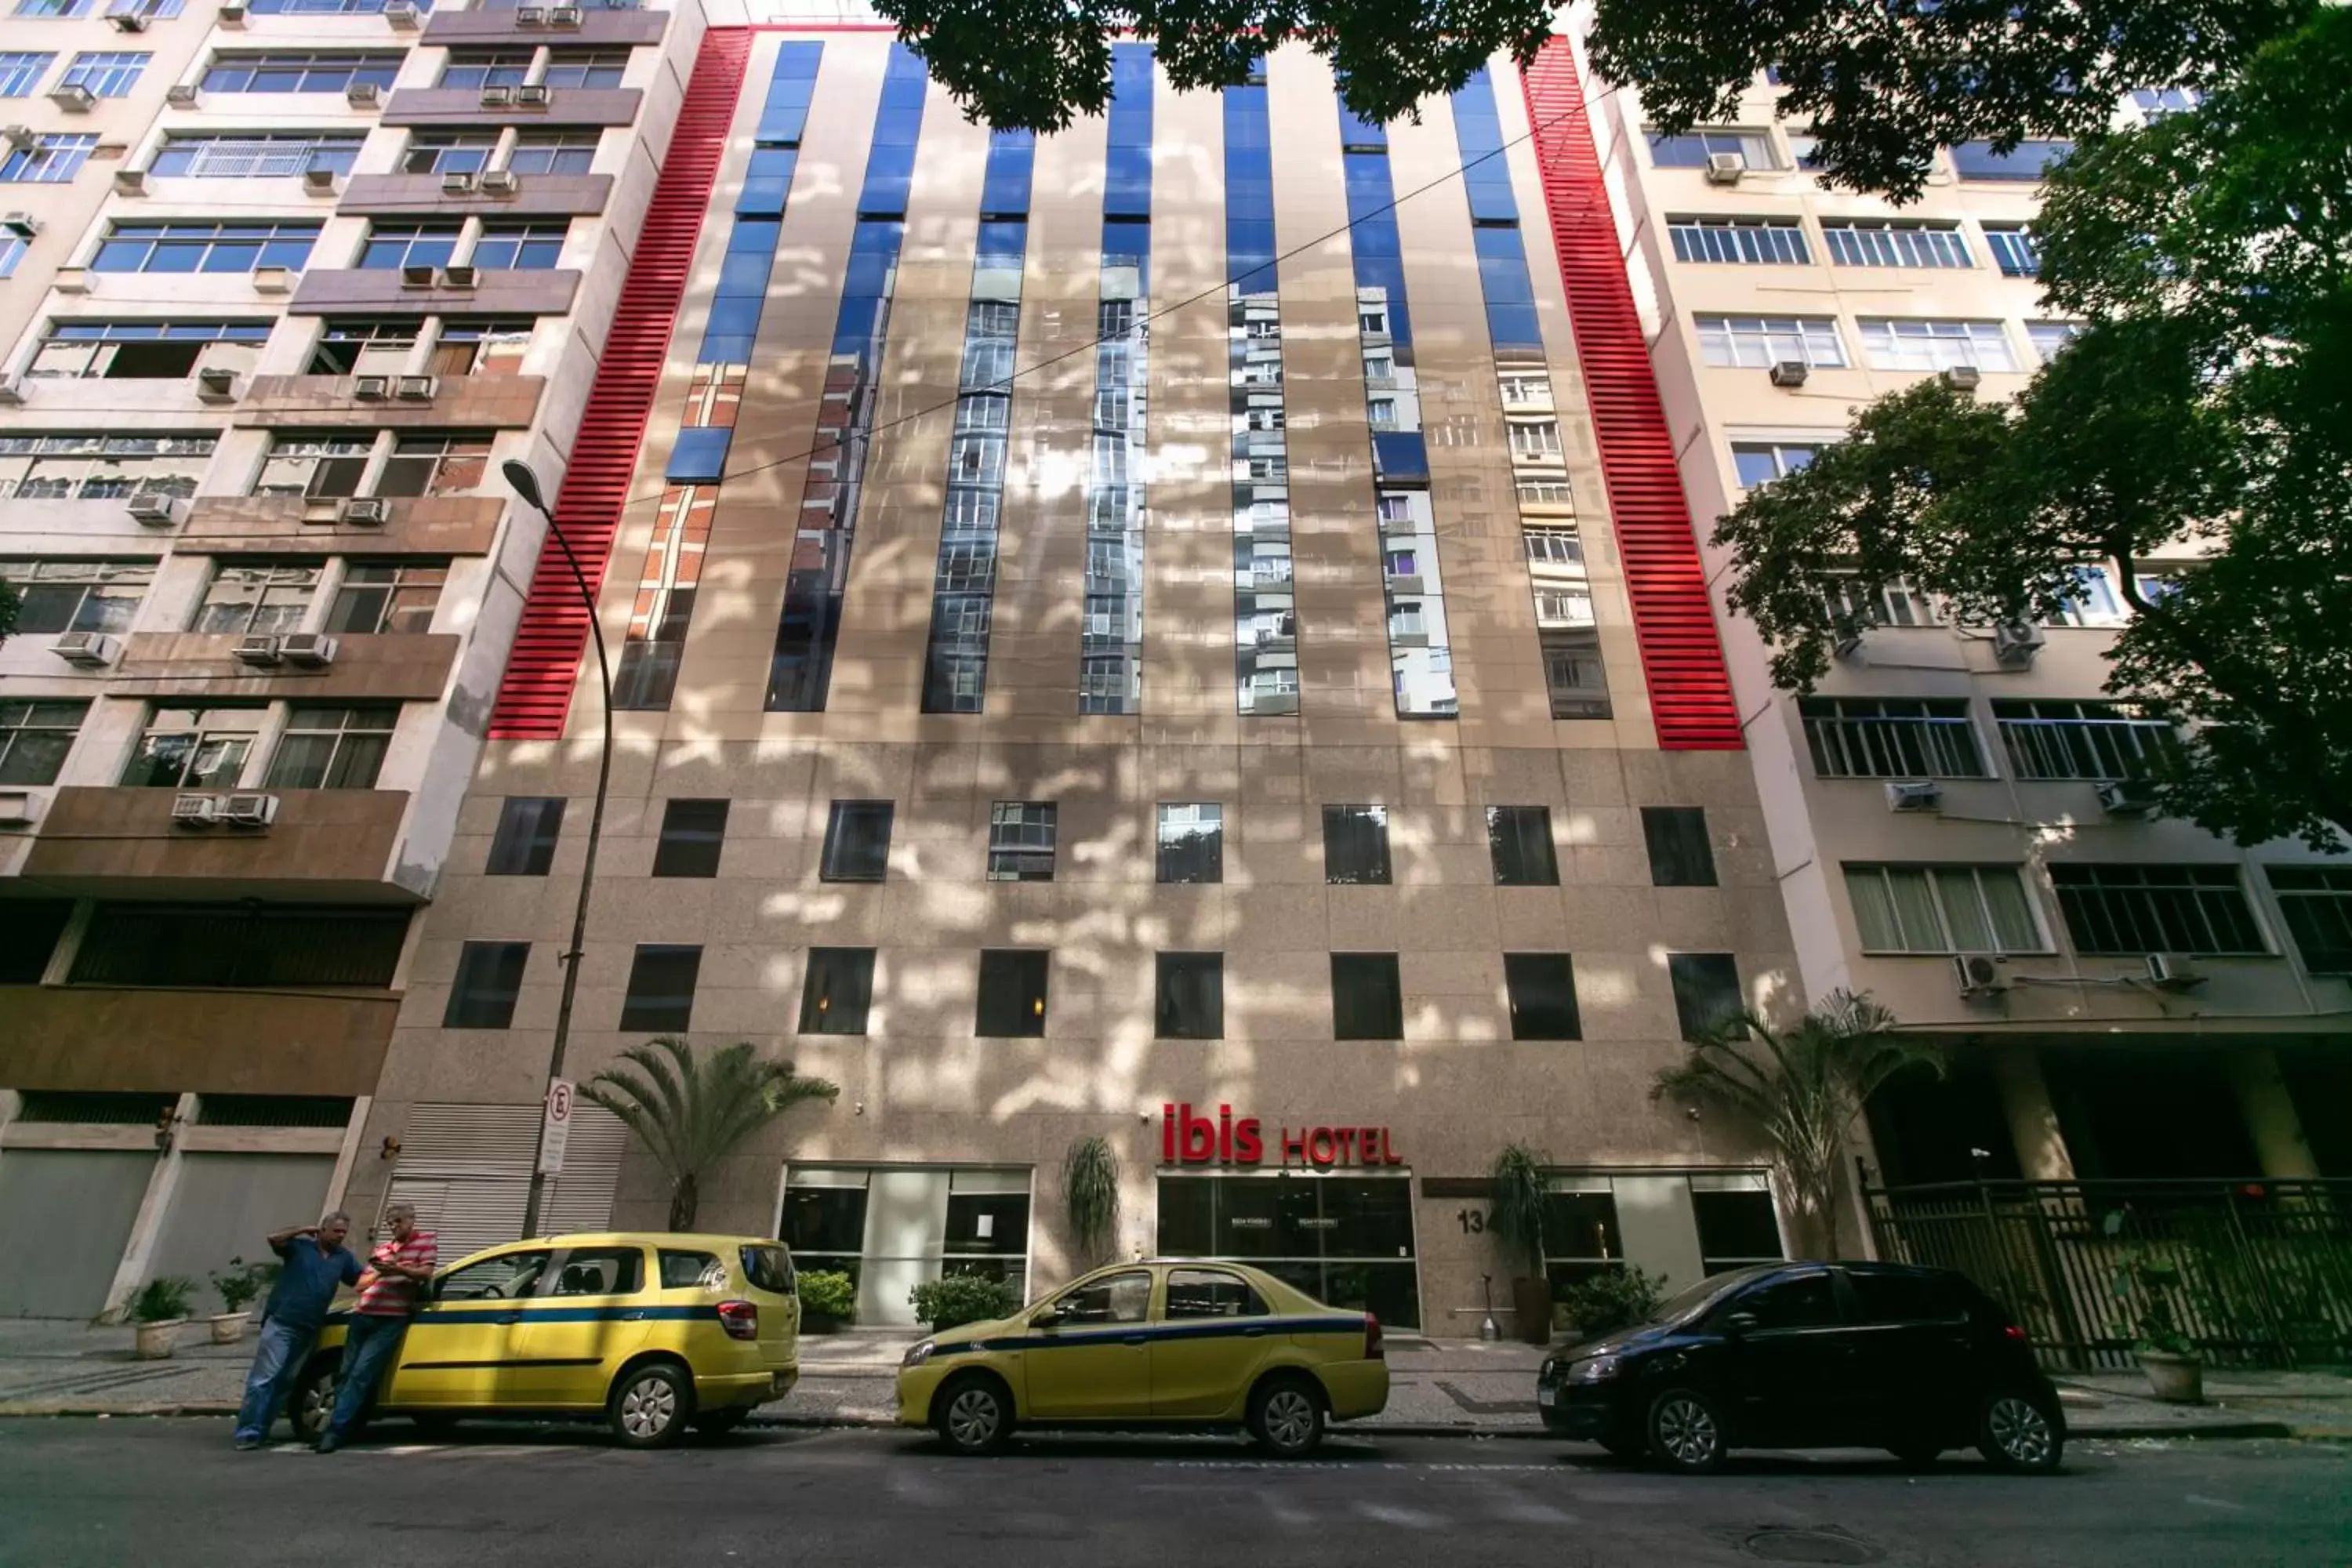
1552 1369
1593 1369
919 1355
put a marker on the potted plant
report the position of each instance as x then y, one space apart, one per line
1090 1192
238 1286
828 1301
1614 1298
1516 1223
960 1298
159 1308
2176 1371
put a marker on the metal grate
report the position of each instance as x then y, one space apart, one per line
274 1110
111 1109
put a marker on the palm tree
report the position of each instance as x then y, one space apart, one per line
1804 1085
690 1111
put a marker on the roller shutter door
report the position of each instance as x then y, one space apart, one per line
65 1218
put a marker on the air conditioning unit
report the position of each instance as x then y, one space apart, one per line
364 95
417 388
1848 647
497 97
90 650
366 511
68 279
126 21
181 95
1978 973
261 651
532 98
319 182
1967 377
2173 972
417 277
1790 372
500 183
311 650
564 17
22 138
2127 797
215 383
457 185
231 14
402 15
274 279
19 808
24 225
74 99
249 810
530 15
1725 168
372 388
154 512
129 182
1913 795
463 277
195 810
2015 643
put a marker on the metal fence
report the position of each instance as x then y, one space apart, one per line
2263 1268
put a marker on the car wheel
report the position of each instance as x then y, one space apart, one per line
650 1406
975 1415
2019 1431
1685 1432
718 1423
314 1399
1285 1416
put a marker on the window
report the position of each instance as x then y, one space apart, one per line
1743 241
1761 462
194 748
1356 844
434 466
1191 843
449 152
1554 547
857 842
318 466
186 247
508 1276
481 347
524 844
14 242
1936 345
838 992
2102 741
1680 855
332 748
365 348
51 160
321 8
1859 243
301 70
145 351
254 157
391 246
21 73
1894 602
1021 841
1692 151
602 1271
388 598
2093 601
1115 1299
1012 994
490 979
1977 161
682 1268
468 70
2131 909
2049 337
2316 901
1542 990
1942 909
1518 841
77 596
1189 1000
554 153
1366 997
1534 440
520 246
106 74
660 998
1706 992
1761 341
1891 738
1887 1297
1521 386
1804 1301
248 601
2013 250
693 833
50 10
1210 1293
586 68
102 467
34 738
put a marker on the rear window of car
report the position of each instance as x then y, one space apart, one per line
1903 1298
682 1269
769 1269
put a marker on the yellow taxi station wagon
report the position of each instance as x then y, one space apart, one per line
1163 1342
654 1334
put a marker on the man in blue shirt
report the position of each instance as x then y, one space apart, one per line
315 1263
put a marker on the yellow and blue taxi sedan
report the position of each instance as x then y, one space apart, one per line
654 1334
1161 1342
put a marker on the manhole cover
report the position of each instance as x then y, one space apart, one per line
1809 1546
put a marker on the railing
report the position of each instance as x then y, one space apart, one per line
2265 1267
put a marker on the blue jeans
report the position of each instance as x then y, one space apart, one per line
372 1343
277 1363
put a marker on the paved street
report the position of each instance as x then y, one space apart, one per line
83 1492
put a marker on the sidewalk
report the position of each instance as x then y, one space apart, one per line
1443 1387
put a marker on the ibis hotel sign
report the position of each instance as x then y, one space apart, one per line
1187 1138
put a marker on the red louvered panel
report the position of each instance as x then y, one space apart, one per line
1682 653
545 664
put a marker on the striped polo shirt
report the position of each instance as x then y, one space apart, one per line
392 1295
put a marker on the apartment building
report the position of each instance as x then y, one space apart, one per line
1957 819
286 279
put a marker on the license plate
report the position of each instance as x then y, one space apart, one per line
1547 1396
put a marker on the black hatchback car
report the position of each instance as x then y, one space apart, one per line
1812 1355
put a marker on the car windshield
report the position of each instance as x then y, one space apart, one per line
1695 1300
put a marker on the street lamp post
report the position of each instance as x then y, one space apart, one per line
525 484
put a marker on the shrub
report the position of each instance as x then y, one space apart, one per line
1613 1299
241 1282
163 1299
828 1293
962 1298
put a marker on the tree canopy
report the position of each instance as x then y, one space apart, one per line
692 1109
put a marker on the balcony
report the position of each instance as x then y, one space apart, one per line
384 289
276 525
407 669
534 195
332 401
122 842
610 27
129 1040
462 106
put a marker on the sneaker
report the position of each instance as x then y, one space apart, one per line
325 1445
247 1445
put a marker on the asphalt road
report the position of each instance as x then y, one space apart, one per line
129 1491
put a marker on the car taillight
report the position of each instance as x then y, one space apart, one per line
740 1318
1372 1338
2012 1332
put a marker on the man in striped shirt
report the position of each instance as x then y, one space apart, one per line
397 1272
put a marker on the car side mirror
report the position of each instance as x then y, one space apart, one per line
1739 1324
1052 1317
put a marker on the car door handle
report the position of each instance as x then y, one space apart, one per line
1135 1338
635 1317
508 1318
1253 1333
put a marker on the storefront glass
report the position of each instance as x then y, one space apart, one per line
891 1227
1685 1226
1344 1240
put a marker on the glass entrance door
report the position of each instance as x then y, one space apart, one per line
1346 1241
